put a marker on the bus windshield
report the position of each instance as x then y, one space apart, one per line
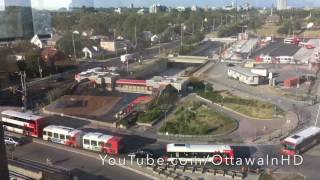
289 147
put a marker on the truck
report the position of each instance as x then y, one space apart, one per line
126 58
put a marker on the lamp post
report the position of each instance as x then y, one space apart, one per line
73 43
183 27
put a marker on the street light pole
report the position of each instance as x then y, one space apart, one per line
74 45
316 123
24 89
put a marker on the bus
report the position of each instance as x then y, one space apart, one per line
22 123
63 135
300 142
99 142
199 153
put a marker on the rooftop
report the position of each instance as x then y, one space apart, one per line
244 71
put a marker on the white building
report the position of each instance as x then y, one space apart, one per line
156 8
244 75
180 83
282 4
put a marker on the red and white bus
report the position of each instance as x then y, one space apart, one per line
22 123
301 141
99 142
63 135
199 153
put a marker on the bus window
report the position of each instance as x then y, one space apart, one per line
86 141
62 136
289 147
101 143
44 133
68 137
94 143
50 134
55 135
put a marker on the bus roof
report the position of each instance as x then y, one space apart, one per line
302 135
97 136
197 148
26 115
59 129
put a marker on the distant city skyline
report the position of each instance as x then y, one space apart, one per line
56 4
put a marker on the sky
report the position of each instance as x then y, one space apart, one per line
55 4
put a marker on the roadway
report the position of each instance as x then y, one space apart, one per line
85 167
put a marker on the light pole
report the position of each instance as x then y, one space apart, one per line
24 89
73 43
316 123
183 27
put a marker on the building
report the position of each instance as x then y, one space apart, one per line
180 83
244 75
99 76
282 4
118 45
194 8
133 86
76 4
156 8
90 52
52 42
118 10
181 9
18 20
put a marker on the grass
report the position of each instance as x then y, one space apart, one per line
194 118
268 30
249 107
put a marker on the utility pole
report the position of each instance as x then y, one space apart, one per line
39 67
135 36
24 89
74 47
159 47
181 45
316 123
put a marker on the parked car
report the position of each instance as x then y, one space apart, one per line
10 140
143 153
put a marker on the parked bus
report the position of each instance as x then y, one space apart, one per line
102 143
22 123
199 153
63 135
300 142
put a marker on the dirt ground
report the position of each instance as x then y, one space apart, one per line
84 105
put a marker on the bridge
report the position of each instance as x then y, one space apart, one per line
188 59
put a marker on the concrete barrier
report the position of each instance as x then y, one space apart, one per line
238 175
165 173
171 167
229 174
157 170
199 170
220 173
189 169
210 171
180 168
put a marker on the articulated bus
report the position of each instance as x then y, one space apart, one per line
300 142
63 135
22 123
199 153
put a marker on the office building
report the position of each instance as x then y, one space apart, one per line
282 4
16 20
156 8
